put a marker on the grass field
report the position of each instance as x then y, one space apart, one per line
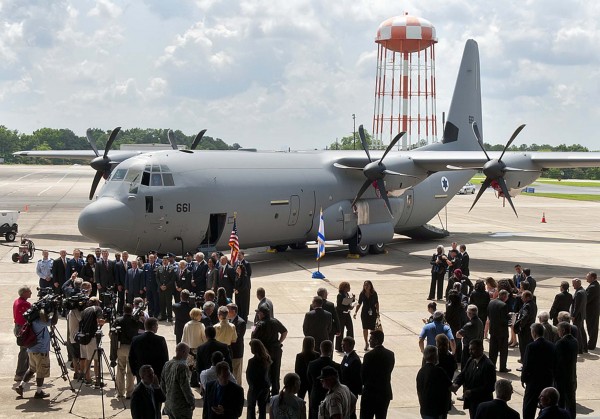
573 197
477 179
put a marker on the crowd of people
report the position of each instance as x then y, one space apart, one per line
207 303
504 313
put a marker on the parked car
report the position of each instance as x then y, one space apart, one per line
468 188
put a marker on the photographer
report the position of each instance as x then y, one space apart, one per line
20 306
138 311
91 322
77 303
39 360
439 264
125 328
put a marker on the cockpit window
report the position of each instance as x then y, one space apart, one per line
157 175
118 174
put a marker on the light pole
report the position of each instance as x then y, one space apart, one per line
354 130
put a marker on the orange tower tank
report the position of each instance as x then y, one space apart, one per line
405 82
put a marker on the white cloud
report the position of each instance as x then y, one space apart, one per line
261 73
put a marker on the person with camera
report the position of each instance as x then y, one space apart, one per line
39 353
89 327
125 327
76 303
439 264
20 306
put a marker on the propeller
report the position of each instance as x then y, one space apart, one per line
494 169
198 139
101 164
374 171
171 137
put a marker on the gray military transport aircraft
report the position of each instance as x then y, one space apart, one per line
178 200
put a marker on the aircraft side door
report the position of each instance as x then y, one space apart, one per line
409 201
155 218
294 210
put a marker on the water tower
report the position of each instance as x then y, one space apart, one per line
405 82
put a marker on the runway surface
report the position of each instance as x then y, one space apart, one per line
566 246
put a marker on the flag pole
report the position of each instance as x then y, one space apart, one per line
320 247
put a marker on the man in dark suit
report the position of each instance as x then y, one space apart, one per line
578 312
525 318
104 274
183 280
565 378
464 260
497 408
498 316
76 263
182 313
433 386
134 283
199 268
329 307
60 271
237 347
223 398
477 377
592 309
316 391
147 396
317 322
226 278
351 366
473 329
205 351
539 364
148 348
122 266
548 403
376 375
530 279
562 302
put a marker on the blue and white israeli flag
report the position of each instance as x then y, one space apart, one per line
321 238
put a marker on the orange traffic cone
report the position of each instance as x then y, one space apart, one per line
543 217
26 208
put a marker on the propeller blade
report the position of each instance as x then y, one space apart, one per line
363 188
95 182
486 183
512 138
392 144
111 140
502 184
91 141
479 140
451 167
171 138
363 140
391 172
198 139
341 166
516 169
383 193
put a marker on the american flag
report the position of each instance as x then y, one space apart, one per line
234 242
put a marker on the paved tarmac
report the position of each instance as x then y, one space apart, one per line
566 246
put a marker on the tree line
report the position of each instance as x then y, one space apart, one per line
65 139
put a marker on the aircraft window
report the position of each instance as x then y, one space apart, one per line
148 168
164 168
146 178
118 174
149 204
156 180
132 175
168 179
155 168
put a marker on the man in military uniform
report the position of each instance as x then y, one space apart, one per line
165 278
44 270
271 333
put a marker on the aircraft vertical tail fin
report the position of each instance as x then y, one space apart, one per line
465 106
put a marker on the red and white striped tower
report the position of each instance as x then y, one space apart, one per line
405 82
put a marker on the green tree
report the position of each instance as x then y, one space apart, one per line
348 142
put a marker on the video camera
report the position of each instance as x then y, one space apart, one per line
76 302
198 299
108 300
47 302
139 310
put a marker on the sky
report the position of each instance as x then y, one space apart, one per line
287 74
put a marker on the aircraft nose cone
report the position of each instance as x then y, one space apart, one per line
104 219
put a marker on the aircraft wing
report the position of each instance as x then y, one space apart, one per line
114 156
438 161
57 154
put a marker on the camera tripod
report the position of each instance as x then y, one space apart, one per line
98 356
56 340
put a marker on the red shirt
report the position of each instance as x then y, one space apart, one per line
20 306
